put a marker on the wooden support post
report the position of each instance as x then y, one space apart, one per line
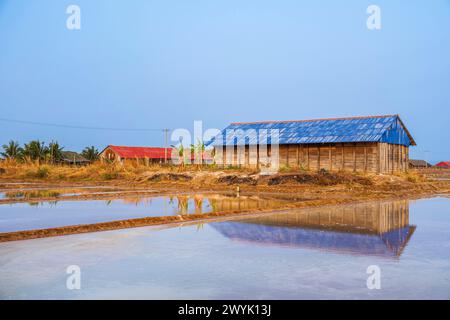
365 159
379 157
224 156
307 157
318 158
330 157
391 159
247 155
287 155
407 157
401 158
257 156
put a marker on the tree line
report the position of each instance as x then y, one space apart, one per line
37 150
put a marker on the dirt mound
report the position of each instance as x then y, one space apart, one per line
292 178
235 179
323 178
169 177
2 171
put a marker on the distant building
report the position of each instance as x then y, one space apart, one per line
145 155
142 155
372 144
419 164
71 157
443 164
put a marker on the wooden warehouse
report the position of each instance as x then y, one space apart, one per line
372 144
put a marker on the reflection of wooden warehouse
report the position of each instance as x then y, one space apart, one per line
369 229
374 144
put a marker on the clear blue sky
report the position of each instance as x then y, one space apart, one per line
156 64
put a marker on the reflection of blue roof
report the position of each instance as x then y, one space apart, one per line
387 244
388 129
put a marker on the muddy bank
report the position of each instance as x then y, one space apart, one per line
291 181
289 185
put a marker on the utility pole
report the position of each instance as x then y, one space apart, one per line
166 138
426 158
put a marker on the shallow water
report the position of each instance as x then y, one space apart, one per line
305 254
40 215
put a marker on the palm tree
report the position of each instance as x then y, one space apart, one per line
180 152
197 152
201 150
192 153
90 153
54 152
12 150
35 150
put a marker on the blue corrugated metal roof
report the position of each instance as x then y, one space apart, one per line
388 129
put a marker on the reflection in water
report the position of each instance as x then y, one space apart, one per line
186 204
199 204
173 204
51 214
203 203
369 229
197 262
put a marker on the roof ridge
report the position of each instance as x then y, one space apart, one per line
319 119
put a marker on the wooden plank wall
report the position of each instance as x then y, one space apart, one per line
331 157
392 158
360 157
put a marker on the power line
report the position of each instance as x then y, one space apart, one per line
46 124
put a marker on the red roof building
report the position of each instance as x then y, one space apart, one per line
144 155
139 152
150 154
443 164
